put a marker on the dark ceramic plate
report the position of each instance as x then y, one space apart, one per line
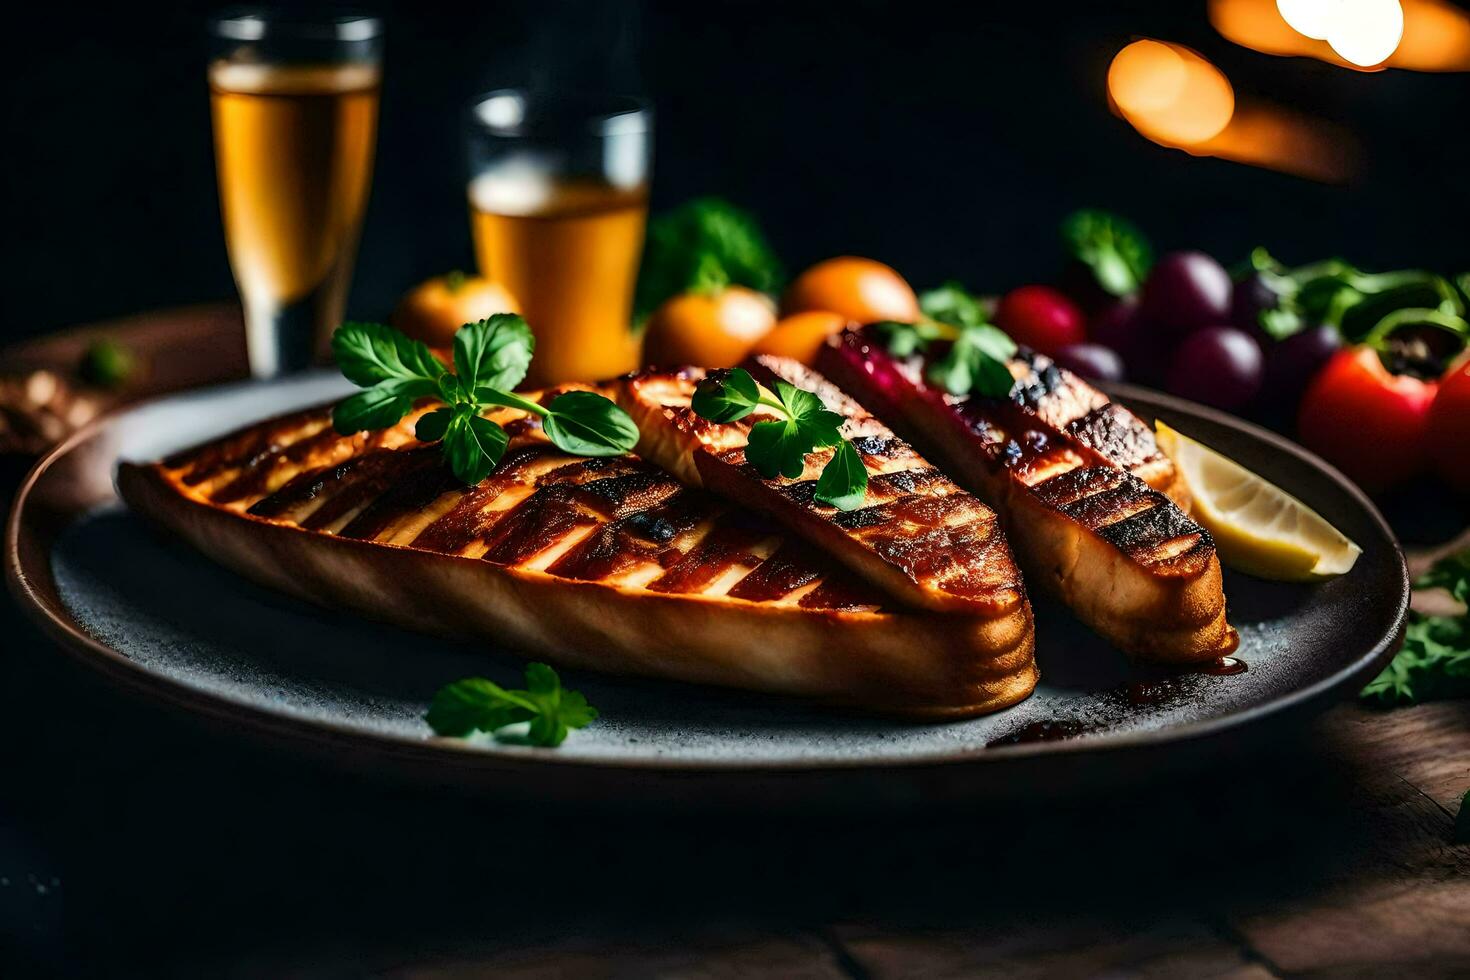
165 621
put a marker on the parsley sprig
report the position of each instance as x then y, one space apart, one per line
780 446
976 362
478 705
491 357
1435 660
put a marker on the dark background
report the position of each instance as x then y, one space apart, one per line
944 138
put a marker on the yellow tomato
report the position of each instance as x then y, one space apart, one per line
433 310
801 335
859 289
715 329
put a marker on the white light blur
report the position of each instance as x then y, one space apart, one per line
1366 32
1310 18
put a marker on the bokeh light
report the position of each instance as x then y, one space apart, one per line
1309 18
1365 32
1365 35
1169 93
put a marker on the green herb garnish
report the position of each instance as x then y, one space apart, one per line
1116 252
705 245
952 303
977 359
490 358
107 363
779 446
1356 303
477 705
1435 660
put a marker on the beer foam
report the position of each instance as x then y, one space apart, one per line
514 189
253 78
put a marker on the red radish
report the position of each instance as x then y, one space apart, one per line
1040 317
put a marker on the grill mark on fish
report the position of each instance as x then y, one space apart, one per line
364 482
412 491
722 549
1116 434
205 462
776 577
535 524
255 475
629 515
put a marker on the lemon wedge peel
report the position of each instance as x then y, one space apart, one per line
1258 528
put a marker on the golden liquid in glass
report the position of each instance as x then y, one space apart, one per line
568 252
294 152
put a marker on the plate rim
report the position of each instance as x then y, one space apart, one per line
139 680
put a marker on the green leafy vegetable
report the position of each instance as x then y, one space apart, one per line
1435 660
1116 252
952 303
779 446
107 363
977 363
1356 303
977 358
706 244
478 705
490 357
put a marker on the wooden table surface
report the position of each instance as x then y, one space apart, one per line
134 842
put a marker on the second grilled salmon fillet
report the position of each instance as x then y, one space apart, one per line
609 564
1090 504
918 536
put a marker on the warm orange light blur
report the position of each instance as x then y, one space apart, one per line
1178 99
1435 33
1169 93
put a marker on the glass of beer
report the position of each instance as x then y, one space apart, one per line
295 106
558 199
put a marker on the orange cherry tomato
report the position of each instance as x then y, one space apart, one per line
1367 421
801 335
433 310
708 329
1449 427
859 289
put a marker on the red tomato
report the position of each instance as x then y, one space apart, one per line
1365 420
1041 318
1449 428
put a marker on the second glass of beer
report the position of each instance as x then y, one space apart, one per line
295 106
558 199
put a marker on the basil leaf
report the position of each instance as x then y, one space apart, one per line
493 353
726 396
952 303
380 406
777 448
475 704
977 363
369 353
473 445
431 427
844 480
587 424
1116 252
816 424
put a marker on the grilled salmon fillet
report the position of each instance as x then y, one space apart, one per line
1092 507
608 563
918 536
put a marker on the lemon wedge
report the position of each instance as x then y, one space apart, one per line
1258 527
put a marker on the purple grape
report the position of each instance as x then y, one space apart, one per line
1117 325
1220 366
1291 363
1185 292
1092 361
1248 298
